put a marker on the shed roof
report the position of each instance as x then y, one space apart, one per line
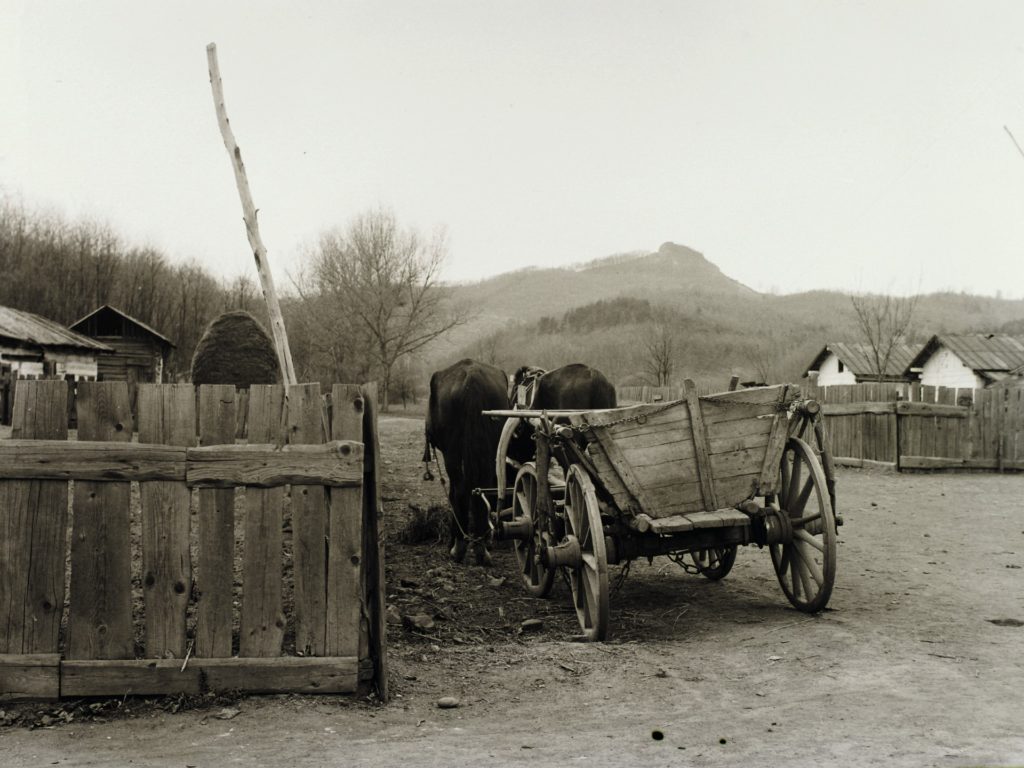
29 329
107 308
984 353
859 359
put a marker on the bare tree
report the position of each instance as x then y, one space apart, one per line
386 278
658 351
883 322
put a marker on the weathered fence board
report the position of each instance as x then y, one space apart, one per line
167 676
309 526
262 622
217 425
166 415
346 635
33 525
100 614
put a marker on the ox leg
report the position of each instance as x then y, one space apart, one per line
478 531
460 519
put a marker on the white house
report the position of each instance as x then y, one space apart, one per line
968 360
852 363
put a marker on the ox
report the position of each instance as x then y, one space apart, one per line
572 387
468 442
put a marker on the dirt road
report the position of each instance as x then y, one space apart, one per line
906 669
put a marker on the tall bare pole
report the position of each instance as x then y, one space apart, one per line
252 230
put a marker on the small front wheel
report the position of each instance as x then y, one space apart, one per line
536 578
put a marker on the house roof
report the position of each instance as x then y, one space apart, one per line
984 353
28 329
108 308
859 359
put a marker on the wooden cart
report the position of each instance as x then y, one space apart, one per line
696 477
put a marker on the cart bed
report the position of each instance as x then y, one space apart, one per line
692 455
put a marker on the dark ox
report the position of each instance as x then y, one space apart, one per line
572 387
468 441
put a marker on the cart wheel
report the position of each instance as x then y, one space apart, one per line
589 580
715 562
536 578
806 565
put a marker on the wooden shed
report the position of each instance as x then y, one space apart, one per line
36 347
140 352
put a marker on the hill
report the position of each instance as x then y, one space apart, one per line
606 312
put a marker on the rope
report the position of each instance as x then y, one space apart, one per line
448 501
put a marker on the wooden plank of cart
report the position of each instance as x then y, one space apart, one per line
692 478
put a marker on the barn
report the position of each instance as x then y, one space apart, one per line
139 352
842 362
974 360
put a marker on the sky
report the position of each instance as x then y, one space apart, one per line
798 145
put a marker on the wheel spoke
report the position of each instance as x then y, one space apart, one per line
787 471
793 571
801 500
794 482
806 538
811 565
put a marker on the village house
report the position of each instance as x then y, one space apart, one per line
968 360
853 363
35 347
139 353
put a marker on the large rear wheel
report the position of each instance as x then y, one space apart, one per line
806 564
589 579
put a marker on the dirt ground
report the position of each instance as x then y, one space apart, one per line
914 664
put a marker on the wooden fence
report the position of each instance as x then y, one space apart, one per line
159 543
915 427
909 426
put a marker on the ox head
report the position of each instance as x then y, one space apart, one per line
522 385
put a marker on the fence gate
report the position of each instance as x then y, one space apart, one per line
174 582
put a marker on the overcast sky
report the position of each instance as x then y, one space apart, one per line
798 145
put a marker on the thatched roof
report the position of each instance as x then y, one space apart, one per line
235 350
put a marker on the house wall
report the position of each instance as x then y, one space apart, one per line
945 369
829 375
136 360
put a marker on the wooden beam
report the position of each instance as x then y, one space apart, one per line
252 229
856 409
90 460
932 409
29 676
146 677
769 480
700 445
337 463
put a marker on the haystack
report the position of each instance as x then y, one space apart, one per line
235 349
